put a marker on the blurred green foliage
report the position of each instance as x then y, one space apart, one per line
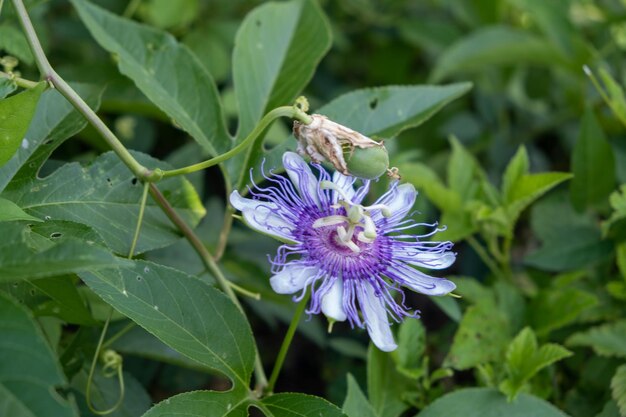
527 171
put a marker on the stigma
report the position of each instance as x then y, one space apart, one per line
356 223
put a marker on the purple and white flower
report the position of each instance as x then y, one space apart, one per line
351 257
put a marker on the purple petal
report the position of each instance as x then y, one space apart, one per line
375 317
302 176
292 278
263 216
332 302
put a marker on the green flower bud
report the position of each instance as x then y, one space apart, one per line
367 163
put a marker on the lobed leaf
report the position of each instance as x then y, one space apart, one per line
106 196
29 371
203 403
185 313
299 405
16 113
165 71
606 340
277 48
55 120
488 402
524 359
356 404
482 337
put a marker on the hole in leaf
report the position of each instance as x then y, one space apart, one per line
134 181
138 277
56 235
374 104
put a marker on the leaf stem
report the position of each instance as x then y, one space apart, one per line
142 209
20 82
280 359
210 264
293 112
48 73
484 256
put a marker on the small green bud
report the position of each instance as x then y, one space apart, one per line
367 163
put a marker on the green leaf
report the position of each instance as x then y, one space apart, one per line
385 385
593 164
64 302
203 403
494 45
411 347
299 405
356 403
606 340
9 211
553 309
7 86
16 112
488 402
106 196
277 48
138 342
529 188
616 98
55 120
617 199
620 253
105 393
185 313
383 112
165 71
449 306
570 240
166 14
30 373
386 111
618 388
524 359
13 41
427 181
552 21
482 337
21 257
463 171
515 170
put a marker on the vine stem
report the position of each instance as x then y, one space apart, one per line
284 348
285 111
68 92
211 265
20 82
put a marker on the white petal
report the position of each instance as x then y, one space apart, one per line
430 260
332 302
292 278
399 200
345 183
375 316
420 282
263 216
302 176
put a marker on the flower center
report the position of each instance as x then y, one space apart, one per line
357 217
